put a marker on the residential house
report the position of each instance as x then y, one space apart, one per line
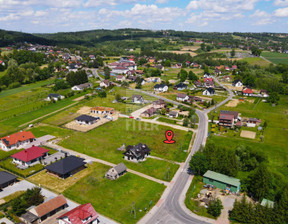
207 75
237 83
6 179
153 79
222 181
182 97
160 67
173 114
227 78
209 92
267 203
92 57
234 67
161 88
102 110
252 122
159 104
66 167
247 91
198 84
86 119
120 70
30 156
105 83
16 140
209 84
116 171
264 93
150 112
136 153
82 86
180 86
55 97
48 208
137 99
132 78
227 118
83 214
197 99
120 78
217 71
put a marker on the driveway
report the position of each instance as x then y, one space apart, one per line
39 141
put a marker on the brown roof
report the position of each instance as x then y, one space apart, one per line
17 137
102 109
50 205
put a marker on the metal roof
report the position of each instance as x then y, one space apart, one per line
222 178
6 177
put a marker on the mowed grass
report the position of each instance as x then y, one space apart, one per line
57 184
277 58
275 135
114 199
256 61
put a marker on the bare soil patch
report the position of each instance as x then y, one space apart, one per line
248 134
232 103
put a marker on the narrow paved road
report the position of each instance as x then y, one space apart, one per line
169 209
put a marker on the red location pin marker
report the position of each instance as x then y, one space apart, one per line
169 135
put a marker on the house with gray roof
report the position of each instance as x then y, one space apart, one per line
116 171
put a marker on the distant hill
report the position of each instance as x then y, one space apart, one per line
12 37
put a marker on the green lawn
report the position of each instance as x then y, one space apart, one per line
256 61
275 135
166 120
114 199
7 164
277 58
4 154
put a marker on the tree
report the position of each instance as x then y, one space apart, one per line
258 182
102 94
117 97
183 74
107 72
273 98
232 53
285 77
185 122
77 78
215 208
198 163
192 76
255 51
60 84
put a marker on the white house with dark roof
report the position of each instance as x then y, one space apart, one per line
137 99
161 88
55 97
86 119
208 92
82 86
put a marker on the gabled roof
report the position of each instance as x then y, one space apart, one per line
234 113
226 117
6 177
137 150
50 205
120 168
181 95
30 154
248 91
80 213
138 97
17 137
222 178
66 165
54 95
180 85
210 90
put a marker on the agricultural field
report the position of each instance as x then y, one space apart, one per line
256 61
277 58
108 196
274 145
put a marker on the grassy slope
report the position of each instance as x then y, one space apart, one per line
115 198
275 57
275 141
256 61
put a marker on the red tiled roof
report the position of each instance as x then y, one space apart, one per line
249 91
226 117
29 154
80 213
50 205
208 79
17 137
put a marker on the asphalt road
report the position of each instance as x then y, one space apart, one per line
170 210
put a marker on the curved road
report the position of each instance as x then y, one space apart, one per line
170 210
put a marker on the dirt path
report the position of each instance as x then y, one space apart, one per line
46 115
55 146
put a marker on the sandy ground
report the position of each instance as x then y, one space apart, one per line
248 134
84 110
232 103
191 48
234 87
185 52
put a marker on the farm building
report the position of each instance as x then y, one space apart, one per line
221 181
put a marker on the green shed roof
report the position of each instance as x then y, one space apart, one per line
222 178
268 203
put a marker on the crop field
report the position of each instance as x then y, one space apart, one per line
114 199
275 135
277 58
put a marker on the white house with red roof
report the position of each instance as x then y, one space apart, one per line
30 156
83 214
16 140
247 91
